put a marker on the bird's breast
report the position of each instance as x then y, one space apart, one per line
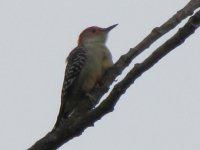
93 68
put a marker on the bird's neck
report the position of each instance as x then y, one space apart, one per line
92 44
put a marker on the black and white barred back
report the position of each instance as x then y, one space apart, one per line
75 62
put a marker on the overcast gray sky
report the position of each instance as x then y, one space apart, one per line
159 112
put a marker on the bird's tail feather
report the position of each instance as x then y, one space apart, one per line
66 109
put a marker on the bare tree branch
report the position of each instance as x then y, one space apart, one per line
75 125
156 33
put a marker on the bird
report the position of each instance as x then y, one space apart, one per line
86 64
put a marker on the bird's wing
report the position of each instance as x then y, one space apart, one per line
75 63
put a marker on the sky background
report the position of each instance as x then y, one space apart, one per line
161 111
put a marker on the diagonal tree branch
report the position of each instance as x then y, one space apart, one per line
155 34
56 138
108 104
75 126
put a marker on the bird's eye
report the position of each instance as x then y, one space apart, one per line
94 30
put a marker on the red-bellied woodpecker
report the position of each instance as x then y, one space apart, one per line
85 66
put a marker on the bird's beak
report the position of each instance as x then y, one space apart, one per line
110 28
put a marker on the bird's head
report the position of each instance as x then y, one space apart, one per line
94 35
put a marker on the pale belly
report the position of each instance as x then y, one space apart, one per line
94 68
90 75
